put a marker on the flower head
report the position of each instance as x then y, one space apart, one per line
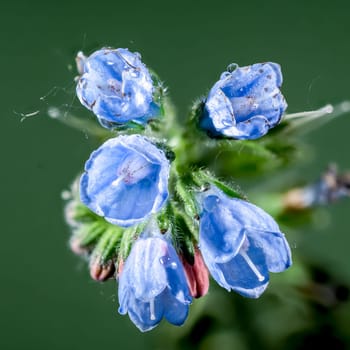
125 180
117 87
245 103
152 284
240 243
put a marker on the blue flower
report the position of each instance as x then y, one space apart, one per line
152 284
245 103
240 243
117 87
125 180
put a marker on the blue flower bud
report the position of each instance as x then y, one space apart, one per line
117 87
125 180
246 103
152 284
240 243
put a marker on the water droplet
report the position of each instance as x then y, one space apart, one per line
231 67
210 203
134 73
164 260
168 262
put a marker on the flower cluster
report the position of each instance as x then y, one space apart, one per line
148 220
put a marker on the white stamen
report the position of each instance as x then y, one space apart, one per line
328 109
251 265
152 310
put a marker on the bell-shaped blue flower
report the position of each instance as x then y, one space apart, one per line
117 87
240 243
125 180
245 103
152 284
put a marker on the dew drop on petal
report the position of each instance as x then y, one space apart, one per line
231 67
168 262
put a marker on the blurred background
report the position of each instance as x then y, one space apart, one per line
48 300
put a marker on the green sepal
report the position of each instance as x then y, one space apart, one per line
129 236
203 179
89 233
164 218
185 193
197 110
108 245
162 124
184 235
159 90
80 213
128 127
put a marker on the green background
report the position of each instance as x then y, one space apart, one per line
47 299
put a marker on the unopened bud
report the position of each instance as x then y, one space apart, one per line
197 275
101 271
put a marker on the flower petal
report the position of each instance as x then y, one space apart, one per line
275 247
221 235
250 129
247 272
175 311
145 315
143 273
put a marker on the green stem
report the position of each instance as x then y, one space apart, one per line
85 125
